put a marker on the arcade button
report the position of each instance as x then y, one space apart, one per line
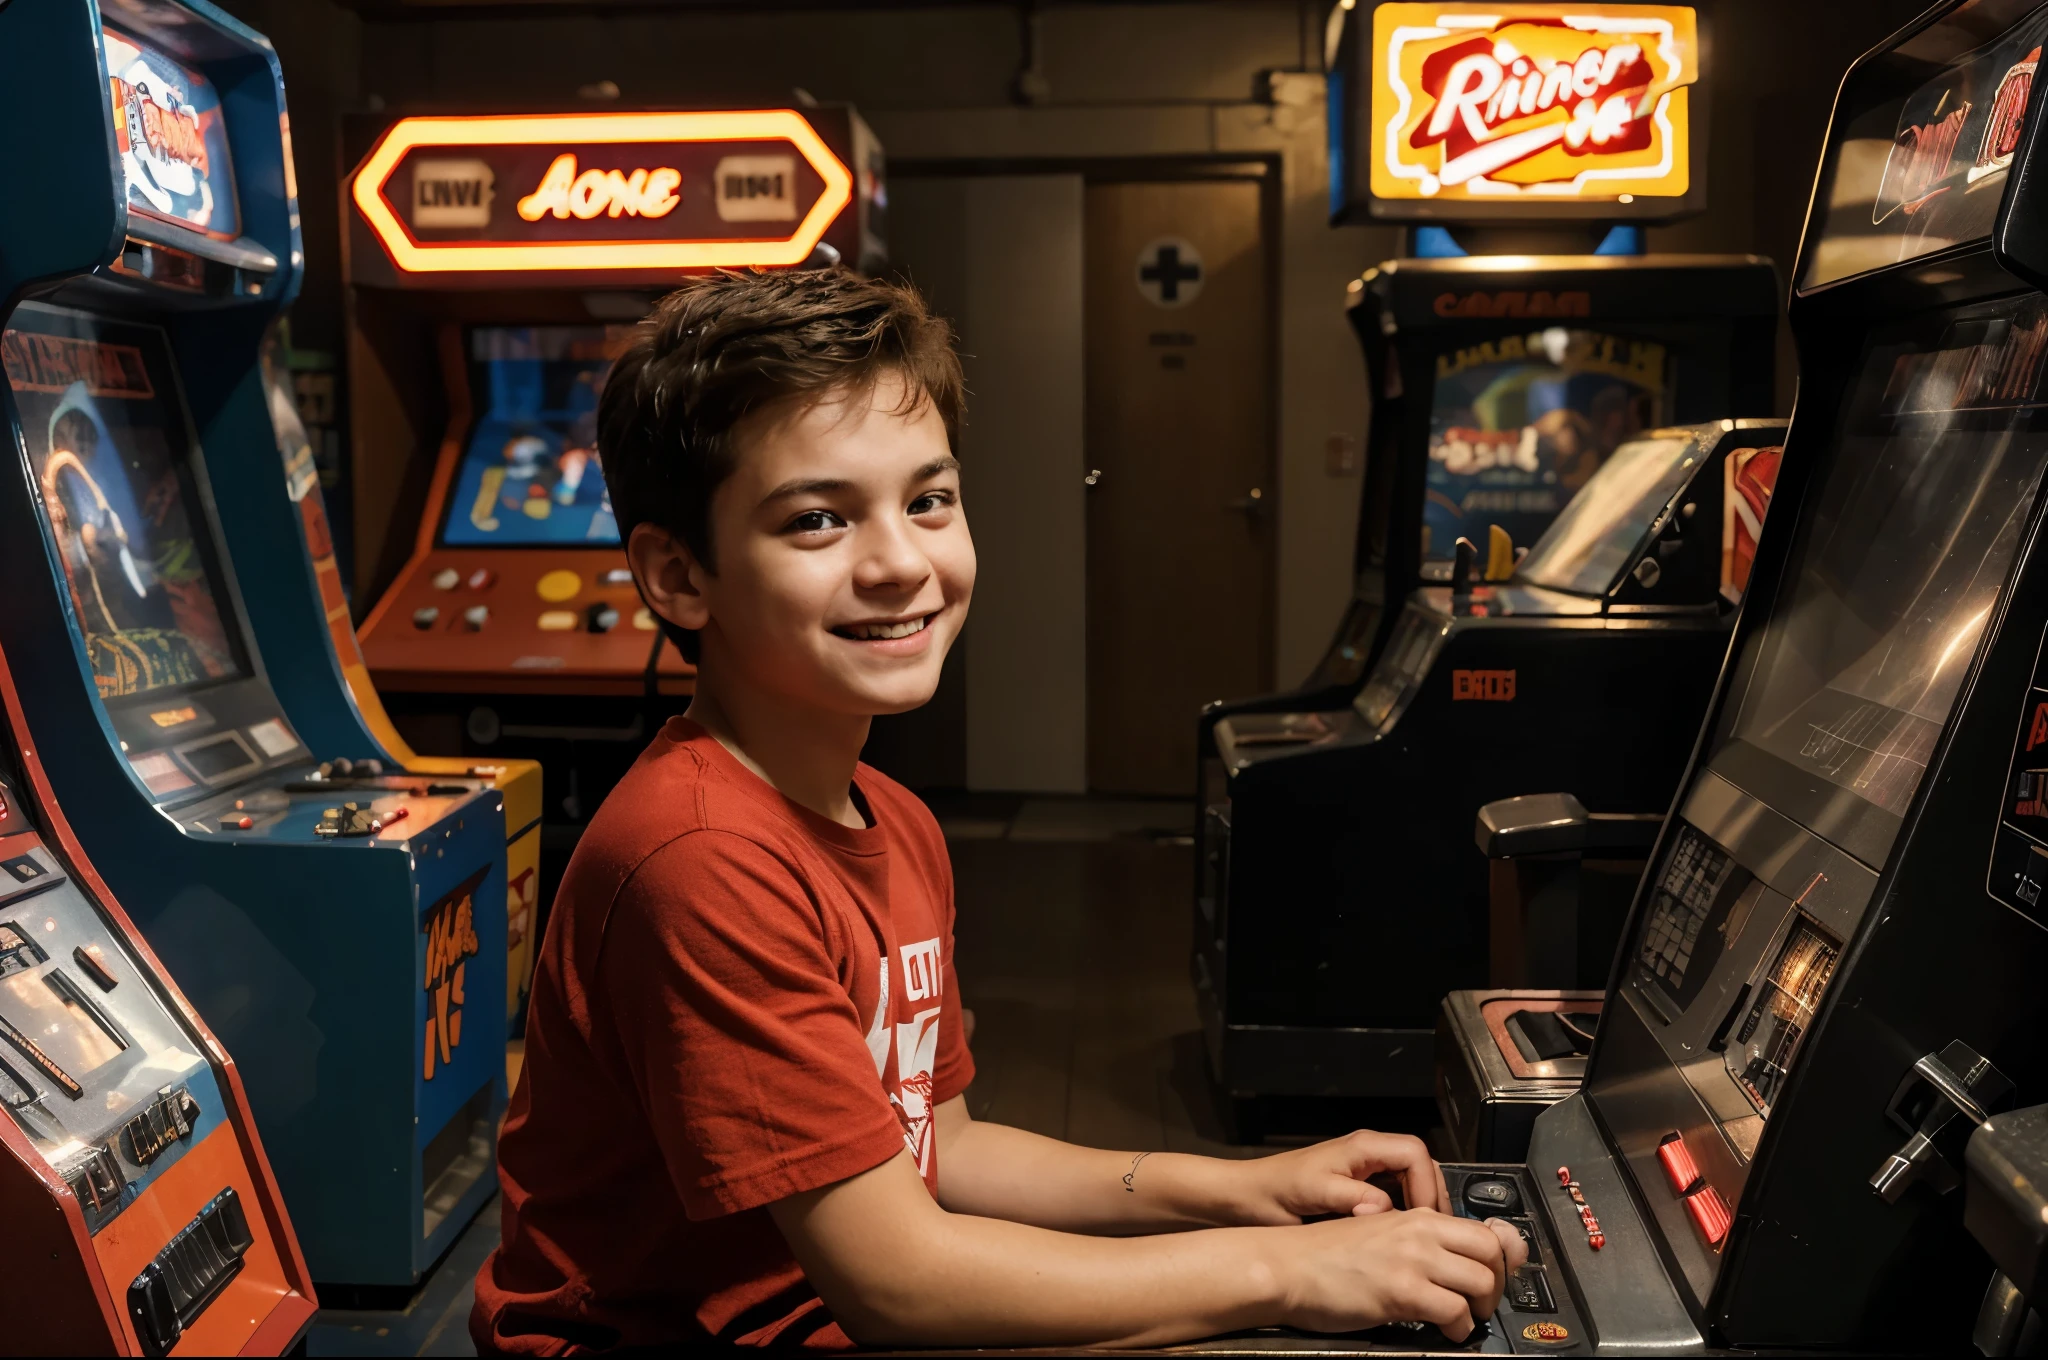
1528 1232
87 957
602 618
447 578
476 616
557 621
425 618
617 576
348 820
1529 1292
483 578
558 586
643 619
1492 1195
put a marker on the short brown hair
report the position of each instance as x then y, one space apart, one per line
727 345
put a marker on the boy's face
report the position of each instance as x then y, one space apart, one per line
844 565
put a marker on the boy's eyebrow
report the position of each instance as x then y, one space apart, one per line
825 486
807 486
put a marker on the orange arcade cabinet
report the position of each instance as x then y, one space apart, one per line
138 1215
495 267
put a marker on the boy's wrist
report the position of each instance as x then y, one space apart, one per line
1203 1191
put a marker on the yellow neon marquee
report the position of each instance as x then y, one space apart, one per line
1531 103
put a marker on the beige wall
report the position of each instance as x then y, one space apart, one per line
1001 257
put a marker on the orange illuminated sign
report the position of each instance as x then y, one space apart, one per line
1494 686
632 191
1525 104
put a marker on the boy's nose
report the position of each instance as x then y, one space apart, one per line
890 559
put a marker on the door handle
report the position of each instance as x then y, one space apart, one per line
1252 504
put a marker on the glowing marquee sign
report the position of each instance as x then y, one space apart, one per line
622 191
1531 104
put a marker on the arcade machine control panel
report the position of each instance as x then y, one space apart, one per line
455 617
1536 1313
117 1098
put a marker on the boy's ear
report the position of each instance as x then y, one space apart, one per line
670 576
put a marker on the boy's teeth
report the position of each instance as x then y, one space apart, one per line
878 632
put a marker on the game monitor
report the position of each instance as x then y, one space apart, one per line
530 476
106 440
1518 424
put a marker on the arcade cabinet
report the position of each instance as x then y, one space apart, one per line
142 1218
332 930
1773 1129
496 265
326 685
1339 896
1524 335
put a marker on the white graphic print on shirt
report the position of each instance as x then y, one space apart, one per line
917 1045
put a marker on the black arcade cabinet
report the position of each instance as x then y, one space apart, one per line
1339 896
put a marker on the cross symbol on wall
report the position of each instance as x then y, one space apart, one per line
1169 273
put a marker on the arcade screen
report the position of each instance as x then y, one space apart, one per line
1895 574
1924 140
530 476
106 436
1517 424
173 145
1597 534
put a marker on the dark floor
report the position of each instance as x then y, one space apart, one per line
1072 939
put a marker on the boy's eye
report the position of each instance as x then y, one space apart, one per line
930 501
815 521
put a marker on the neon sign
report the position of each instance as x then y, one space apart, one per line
1532 103
710 190
562 191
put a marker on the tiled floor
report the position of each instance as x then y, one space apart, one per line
1073 943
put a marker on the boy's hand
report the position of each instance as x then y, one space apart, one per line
1351 1274
1330 1178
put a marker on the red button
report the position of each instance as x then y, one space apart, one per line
1679 1167
483 578
1709 1214
1564 1175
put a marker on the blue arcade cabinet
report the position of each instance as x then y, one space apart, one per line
334 924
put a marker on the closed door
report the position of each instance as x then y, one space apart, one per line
1178 470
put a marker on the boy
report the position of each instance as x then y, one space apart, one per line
741 1115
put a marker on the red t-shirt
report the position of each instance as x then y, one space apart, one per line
737 1000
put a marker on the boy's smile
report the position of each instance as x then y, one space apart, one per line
892 632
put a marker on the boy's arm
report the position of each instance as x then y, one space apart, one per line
896 1268
1000 1172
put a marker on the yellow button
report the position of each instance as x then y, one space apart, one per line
643 619
558 586
558 621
